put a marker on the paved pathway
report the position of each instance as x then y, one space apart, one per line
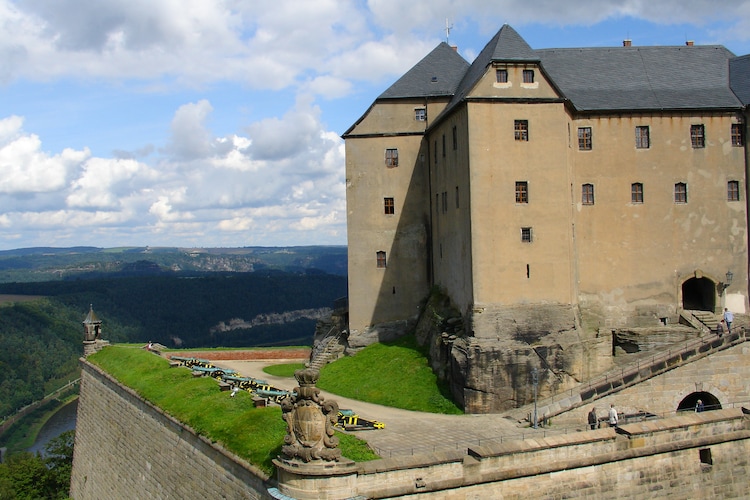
409 432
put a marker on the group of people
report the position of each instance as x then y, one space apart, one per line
725 325
612 418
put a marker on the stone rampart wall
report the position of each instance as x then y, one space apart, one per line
690 456
127 448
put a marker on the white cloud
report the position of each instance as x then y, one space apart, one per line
24 168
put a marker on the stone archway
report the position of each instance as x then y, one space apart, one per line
710 402
699 294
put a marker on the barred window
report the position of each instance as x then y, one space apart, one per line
587 194
680 192
521 128
584 138
522 192
526 235
697 136
642 140
380 256
391 157
733 191
738 138
389 206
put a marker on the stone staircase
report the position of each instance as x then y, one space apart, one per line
322 356
629 375
705 319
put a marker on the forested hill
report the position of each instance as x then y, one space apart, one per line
42 338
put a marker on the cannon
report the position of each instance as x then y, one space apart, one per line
191 362
246 383
215 372
273 394
350 421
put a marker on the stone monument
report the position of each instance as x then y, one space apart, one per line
311 465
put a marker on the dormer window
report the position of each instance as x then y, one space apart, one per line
434 79
528 76
501 76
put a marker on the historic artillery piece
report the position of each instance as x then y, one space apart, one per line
350 421
191 362
214 372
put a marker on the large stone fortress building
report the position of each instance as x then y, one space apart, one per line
551 192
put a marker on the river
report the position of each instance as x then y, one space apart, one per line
63 420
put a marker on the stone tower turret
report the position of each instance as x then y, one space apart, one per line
92 333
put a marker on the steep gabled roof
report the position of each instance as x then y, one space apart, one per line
91 317
437 74
739 78
506 46
642 78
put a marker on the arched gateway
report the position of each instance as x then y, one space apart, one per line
699 294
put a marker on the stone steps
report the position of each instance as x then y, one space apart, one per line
628 375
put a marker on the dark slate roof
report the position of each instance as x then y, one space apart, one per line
739 78
642 78
91 317
438 74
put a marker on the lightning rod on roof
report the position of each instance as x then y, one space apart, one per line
448 28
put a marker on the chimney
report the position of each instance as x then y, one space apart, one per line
627 42
689 43
455 48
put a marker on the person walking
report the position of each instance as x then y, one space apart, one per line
728 319
592 418
612 416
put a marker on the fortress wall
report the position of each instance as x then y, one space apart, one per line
127 448
691 456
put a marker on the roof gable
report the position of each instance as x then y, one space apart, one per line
437 74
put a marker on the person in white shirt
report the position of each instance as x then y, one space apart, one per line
612 416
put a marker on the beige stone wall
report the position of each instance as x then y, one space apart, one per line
633 255
391 294
126 448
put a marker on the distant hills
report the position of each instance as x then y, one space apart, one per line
49 263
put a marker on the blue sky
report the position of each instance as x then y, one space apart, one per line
217 123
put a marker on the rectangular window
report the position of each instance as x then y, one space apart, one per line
733 191
737 135
522 192
521 128
457 206
697 136
420 114
528 76
381 259
680 192
389 206
587 194
584 138
391 158
501 75
636 192
455 138
642 140
526 234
